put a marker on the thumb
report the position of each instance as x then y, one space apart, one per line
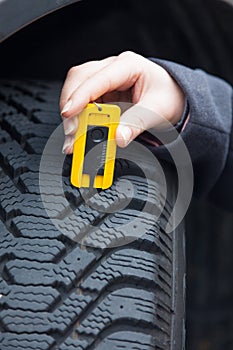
134 121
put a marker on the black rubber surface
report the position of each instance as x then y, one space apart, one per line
56 293
12 22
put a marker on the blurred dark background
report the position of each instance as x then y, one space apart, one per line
197 33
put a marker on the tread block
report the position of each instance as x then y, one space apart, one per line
120 228
30 298
22 128
7 93
127 304
32 249
74 344
29 227
6 109
130 341
78 222
30 183
13 202
28 104
128 264
4 136
35 145
16 160
65 273
11 341
39 322
46 118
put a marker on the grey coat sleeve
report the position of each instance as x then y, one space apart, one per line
208 133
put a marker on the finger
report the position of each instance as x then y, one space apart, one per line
68 144
70 125
77 75
74 78
119 75
137 119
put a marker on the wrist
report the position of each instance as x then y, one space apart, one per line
172 97
177 101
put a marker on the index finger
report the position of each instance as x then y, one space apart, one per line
119 75
76 75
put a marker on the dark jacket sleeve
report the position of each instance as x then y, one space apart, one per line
208 133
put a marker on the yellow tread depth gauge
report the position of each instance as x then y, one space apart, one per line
95 146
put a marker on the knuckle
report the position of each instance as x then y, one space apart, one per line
128 54
133 60
72 71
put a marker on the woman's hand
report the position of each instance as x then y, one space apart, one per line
128 77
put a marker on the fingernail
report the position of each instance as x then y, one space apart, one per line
66 107
70 125
67 146
126 133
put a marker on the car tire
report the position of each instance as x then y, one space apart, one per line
55 292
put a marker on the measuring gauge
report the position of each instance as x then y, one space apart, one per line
95 146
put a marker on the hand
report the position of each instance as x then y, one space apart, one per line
128 77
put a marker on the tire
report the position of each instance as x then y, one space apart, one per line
54 292
11 22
